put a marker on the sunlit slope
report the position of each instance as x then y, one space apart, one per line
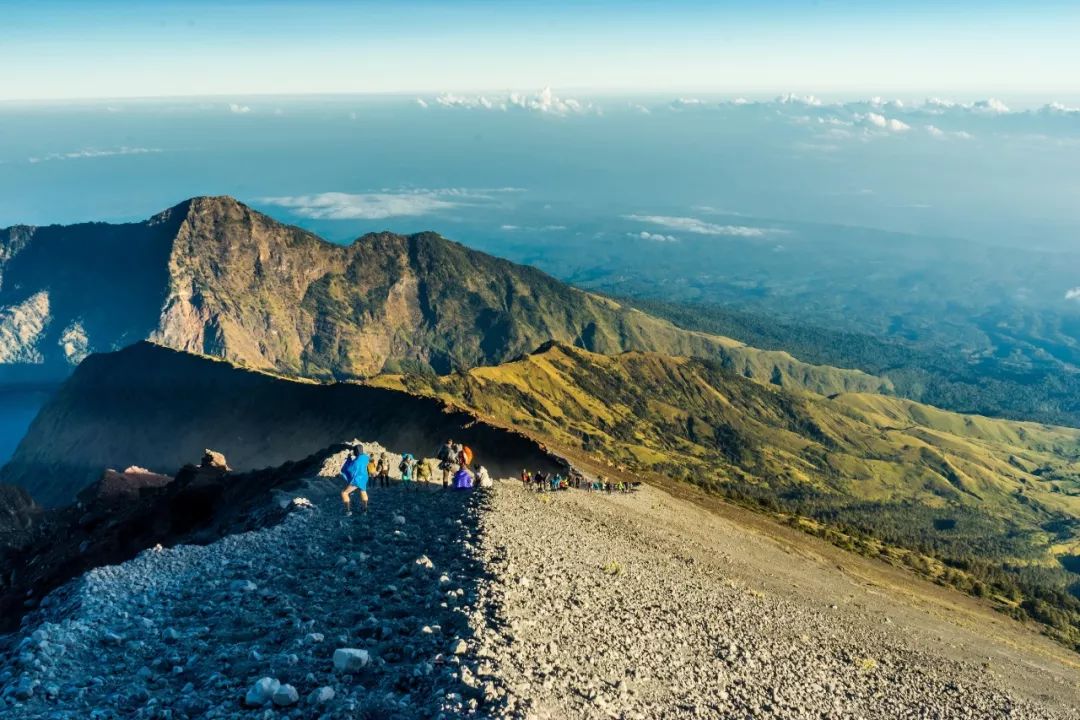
700 421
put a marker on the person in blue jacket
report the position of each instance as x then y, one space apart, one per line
355 472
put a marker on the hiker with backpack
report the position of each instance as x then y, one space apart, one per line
355 472
446 455
407 467
384 470
423 473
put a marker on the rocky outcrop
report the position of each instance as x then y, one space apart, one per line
123 486
68 290
157 408
17 515
213 276
125 513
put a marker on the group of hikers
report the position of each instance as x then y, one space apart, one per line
552 482
455 462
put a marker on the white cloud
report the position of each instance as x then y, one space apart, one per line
1073 294
935 132
792 99
239 109
686 103
1056 108
880 121
545 102
527 228
383 204
992 106
422 103
654 237
94 153
700 227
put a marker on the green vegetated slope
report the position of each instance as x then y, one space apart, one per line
1025 378
997 501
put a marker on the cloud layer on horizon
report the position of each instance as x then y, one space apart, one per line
93 153
382 204
701 227
545 102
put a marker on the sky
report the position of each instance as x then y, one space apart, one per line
61 50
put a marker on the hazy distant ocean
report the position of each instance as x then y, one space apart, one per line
17 409
508 179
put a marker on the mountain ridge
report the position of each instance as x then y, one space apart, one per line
232 282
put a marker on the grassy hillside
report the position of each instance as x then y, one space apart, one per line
1021 383
997 501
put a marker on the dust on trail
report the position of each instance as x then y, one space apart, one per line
602 611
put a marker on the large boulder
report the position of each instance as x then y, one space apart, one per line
350 659
125 485
214 459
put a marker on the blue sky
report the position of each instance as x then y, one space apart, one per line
87 49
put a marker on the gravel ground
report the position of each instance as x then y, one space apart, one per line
600 614
496 603
188 632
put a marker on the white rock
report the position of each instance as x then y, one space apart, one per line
243 586
286 695
313 638
459 647
323 695
262 692
399 519
350 659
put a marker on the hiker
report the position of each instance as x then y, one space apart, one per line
423 473
384 470
465 456
538 479
355 472
463 479
372 467
483 479
525 478
407 466
445 455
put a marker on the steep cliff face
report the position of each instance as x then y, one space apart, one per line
157 408
213 276
67 289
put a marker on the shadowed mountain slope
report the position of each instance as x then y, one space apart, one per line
213 276
157 408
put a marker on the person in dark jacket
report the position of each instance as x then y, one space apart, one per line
446 461
355 472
